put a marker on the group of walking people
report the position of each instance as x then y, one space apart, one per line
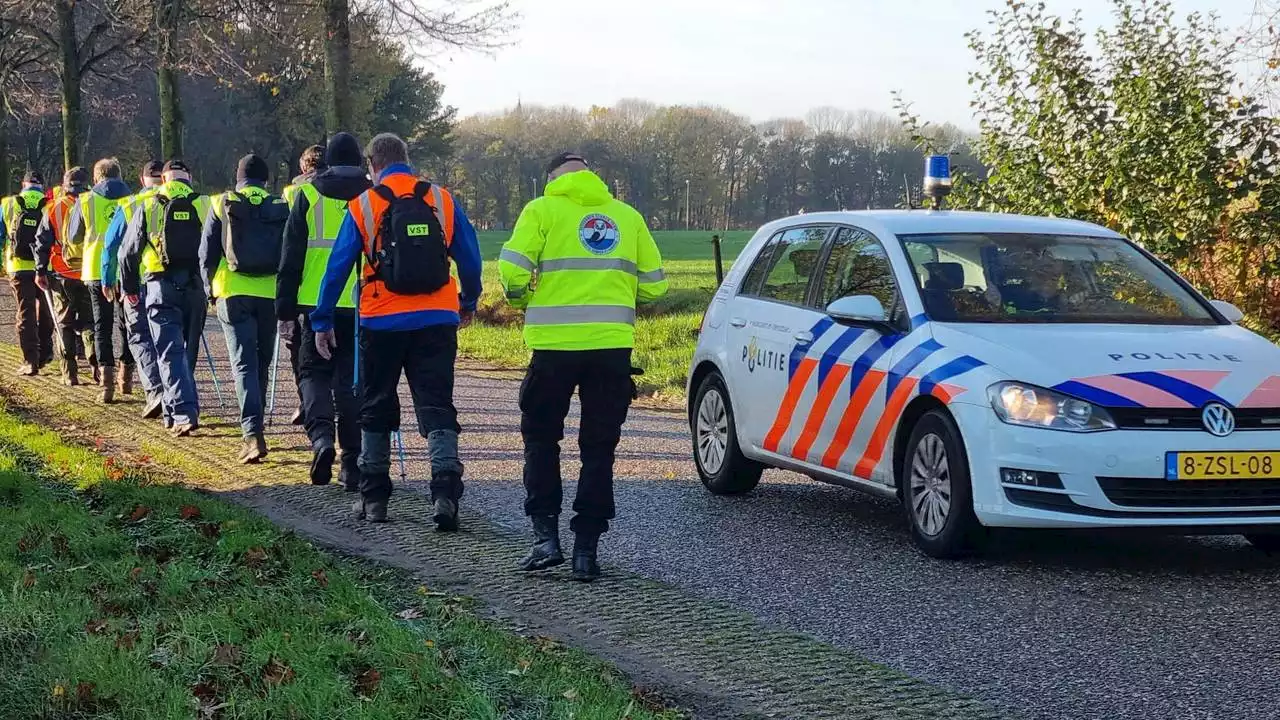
366 270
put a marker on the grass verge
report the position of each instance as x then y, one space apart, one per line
122 597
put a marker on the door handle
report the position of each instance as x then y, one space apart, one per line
738 322
804 338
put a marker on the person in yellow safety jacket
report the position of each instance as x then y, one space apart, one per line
20 217
162 249
87 227
58 263
239 254
311 163
594 259
130 320
315 218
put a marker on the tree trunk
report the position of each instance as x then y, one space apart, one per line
6 182
69 74
337 65
170 14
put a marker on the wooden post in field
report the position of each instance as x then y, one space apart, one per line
715 249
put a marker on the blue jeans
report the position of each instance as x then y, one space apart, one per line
176 312
249 325
138 335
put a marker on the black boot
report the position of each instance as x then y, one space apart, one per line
585 568
546 551
349 476
322 465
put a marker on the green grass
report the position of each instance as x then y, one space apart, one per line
125 598
666 331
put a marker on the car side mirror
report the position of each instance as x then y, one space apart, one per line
861 311
1229 311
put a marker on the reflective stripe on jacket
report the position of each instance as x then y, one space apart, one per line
58 211
594 259
324 220
375 299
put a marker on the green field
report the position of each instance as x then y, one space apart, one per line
126 598
665 331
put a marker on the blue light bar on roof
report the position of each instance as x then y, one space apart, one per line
937 177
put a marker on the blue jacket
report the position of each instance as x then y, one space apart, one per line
348 249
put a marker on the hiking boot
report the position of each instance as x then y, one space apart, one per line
297 417
446 515
254 449
97 371
70 372
184 429
125 379
374 511
546 551
585 568
28 370
108 394
153 408
322 465
349 476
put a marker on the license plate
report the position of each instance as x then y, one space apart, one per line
1222 465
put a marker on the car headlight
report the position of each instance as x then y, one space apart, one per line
1022 404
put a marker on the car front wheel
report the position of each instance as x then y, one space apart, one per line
723 468
936 489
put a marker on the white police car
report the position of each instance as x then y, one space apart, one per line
988 370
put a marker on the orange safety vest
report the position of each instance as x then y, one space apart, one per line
59 212
366 211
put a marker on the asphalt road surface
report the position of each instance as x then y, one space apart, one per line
1046 625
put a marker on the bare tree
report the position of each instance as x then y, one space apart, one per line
20 59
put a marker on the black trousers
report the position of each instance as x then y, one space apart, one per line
34 319
108 318
327 387
292 345
603 381
426 357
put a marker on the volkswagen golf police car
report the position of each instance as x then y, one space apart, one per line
987 370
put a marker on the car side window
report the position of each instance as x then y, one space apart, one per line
859 265
794 262
760 268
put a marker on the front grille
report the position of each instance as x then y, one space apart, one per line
1189 418
1160 493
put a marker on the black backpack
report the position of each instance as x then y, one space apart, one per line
179 232
253 234
24 236
408 252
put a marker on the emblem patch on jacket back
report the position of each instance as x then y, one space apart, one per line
599 234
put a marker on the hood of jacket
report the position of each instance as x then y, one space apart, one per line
112 189
582 187
341 182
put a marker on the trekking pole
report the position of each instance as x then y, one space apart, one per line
400 451
57 329
275 365
213 371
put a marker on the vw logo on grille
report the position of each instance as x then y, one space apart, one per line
1218 419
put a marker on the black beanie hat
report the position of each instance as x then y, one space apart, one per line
562 158
343 149
153 169
252 167
33 177
76 177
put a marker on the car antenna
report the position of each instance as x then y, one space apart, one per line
906 188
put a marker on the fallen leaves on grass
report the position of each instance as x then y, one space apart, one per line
210 530
570 694
226 654
95 627
522 667
254 557
135 573
367 682
277 672
321 578
84 693
189 512
28 579
359 638
60 545
409 614
27 543
59 690
140 512
127 640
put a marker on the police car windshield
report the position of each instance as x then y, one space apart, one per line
1034 278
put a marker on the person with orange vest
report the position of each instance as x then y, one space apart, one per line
406 234
58 268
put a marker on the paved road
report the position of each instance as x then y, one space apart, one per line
1047 625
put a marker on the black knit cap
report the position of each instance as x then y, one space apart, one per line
176 166
252 167
343 149
153 169
562 158
33 177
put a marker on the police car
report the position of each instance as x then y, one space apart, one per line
987 370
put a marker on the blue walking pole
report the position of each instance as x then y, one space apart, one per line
213 373
400 450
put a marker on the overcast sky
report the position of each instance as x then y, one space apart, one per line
761 58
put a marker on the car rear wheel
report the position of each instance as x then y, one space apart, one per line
723 468
937 493
1268 542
